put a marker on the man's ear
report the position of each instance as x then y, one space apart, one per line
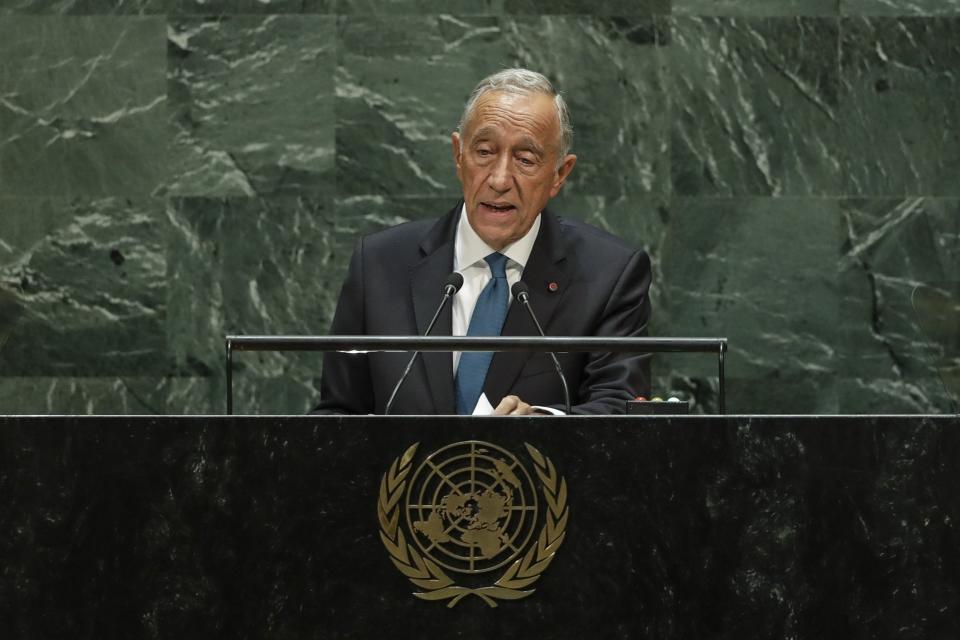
455 142
562 172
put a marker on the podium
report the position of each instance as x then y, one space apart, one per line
675 527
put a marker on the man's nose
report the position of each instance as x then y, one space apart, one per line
501 177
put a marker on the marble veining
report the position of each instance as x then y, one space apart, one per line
756 7
89 277
500 7
83 7
412 130
230 79
174 170
913 141
901 7
83 105
887 356
732 133
718 282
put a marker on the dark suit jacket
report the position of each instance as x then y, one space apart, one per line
395 283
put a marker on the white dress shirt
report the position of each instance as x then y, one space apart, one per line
469 251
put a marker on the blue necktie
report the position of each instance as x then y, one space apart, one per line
487 320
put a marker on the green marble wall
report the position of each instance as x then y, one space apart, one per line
175 170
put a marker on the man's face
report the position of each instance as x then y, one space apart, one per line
507 164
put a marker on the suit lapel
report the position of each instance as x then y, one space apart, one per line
547 265
426 280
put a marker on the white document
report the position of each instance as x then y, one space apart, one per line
483 408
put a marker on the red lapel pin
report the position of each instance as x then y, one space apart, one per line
553 286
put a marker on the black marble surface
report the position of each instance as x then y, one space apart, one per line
696 527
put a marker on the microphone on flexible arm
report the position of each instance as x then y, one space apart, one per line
521 292
450 287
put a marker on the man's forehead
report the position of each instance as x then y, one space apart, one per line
486 132
535 113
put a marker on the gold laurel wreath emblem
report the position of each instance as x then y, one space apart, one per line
427 575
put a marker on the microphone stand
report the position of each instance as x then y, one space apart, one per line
522 293
450 287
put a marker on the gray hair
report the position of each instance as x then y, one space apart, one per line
524 82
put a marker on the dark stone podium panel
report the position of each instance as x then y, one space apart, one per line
694 527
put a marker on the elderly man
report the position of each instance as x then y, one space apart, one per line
511 153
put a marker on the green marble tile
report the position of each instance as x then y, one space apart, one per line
178 7
266 394
83 396
398 100
589 7
84 281
620 110
83 7
901 7
252 105
499 7
249 7
200 395
249 266
83 105
761 272
418 7
890 247
253 266
790 392
10 310
900 105
759 8
754 106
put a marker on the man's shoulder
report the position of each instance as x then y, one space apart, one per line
593 238
429 233
410 232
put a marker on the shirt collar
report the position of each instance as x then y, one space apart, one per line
469 248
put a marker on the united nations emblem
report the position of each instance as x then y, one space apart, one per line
472 508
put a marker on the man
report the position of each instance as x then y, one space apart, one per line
511 153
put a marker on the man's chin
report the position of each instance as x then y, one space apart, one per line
496 228
495 236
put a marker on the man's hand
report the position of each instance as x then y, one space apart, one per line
514 406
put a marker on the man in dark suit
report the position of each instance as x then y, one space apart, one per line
511 153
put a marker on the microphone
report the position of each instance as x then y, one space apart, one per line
450 287
521 292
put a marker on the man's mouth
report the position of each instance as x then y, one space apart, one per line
498 207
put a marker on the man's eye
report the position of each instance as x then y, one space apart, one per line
483 152
527 162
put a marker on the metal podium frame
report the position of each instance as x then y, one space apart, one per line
537 344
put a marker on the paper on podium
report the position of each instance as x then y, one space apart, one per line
483 408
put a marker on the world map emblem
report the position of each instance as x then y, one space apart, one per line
472 510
